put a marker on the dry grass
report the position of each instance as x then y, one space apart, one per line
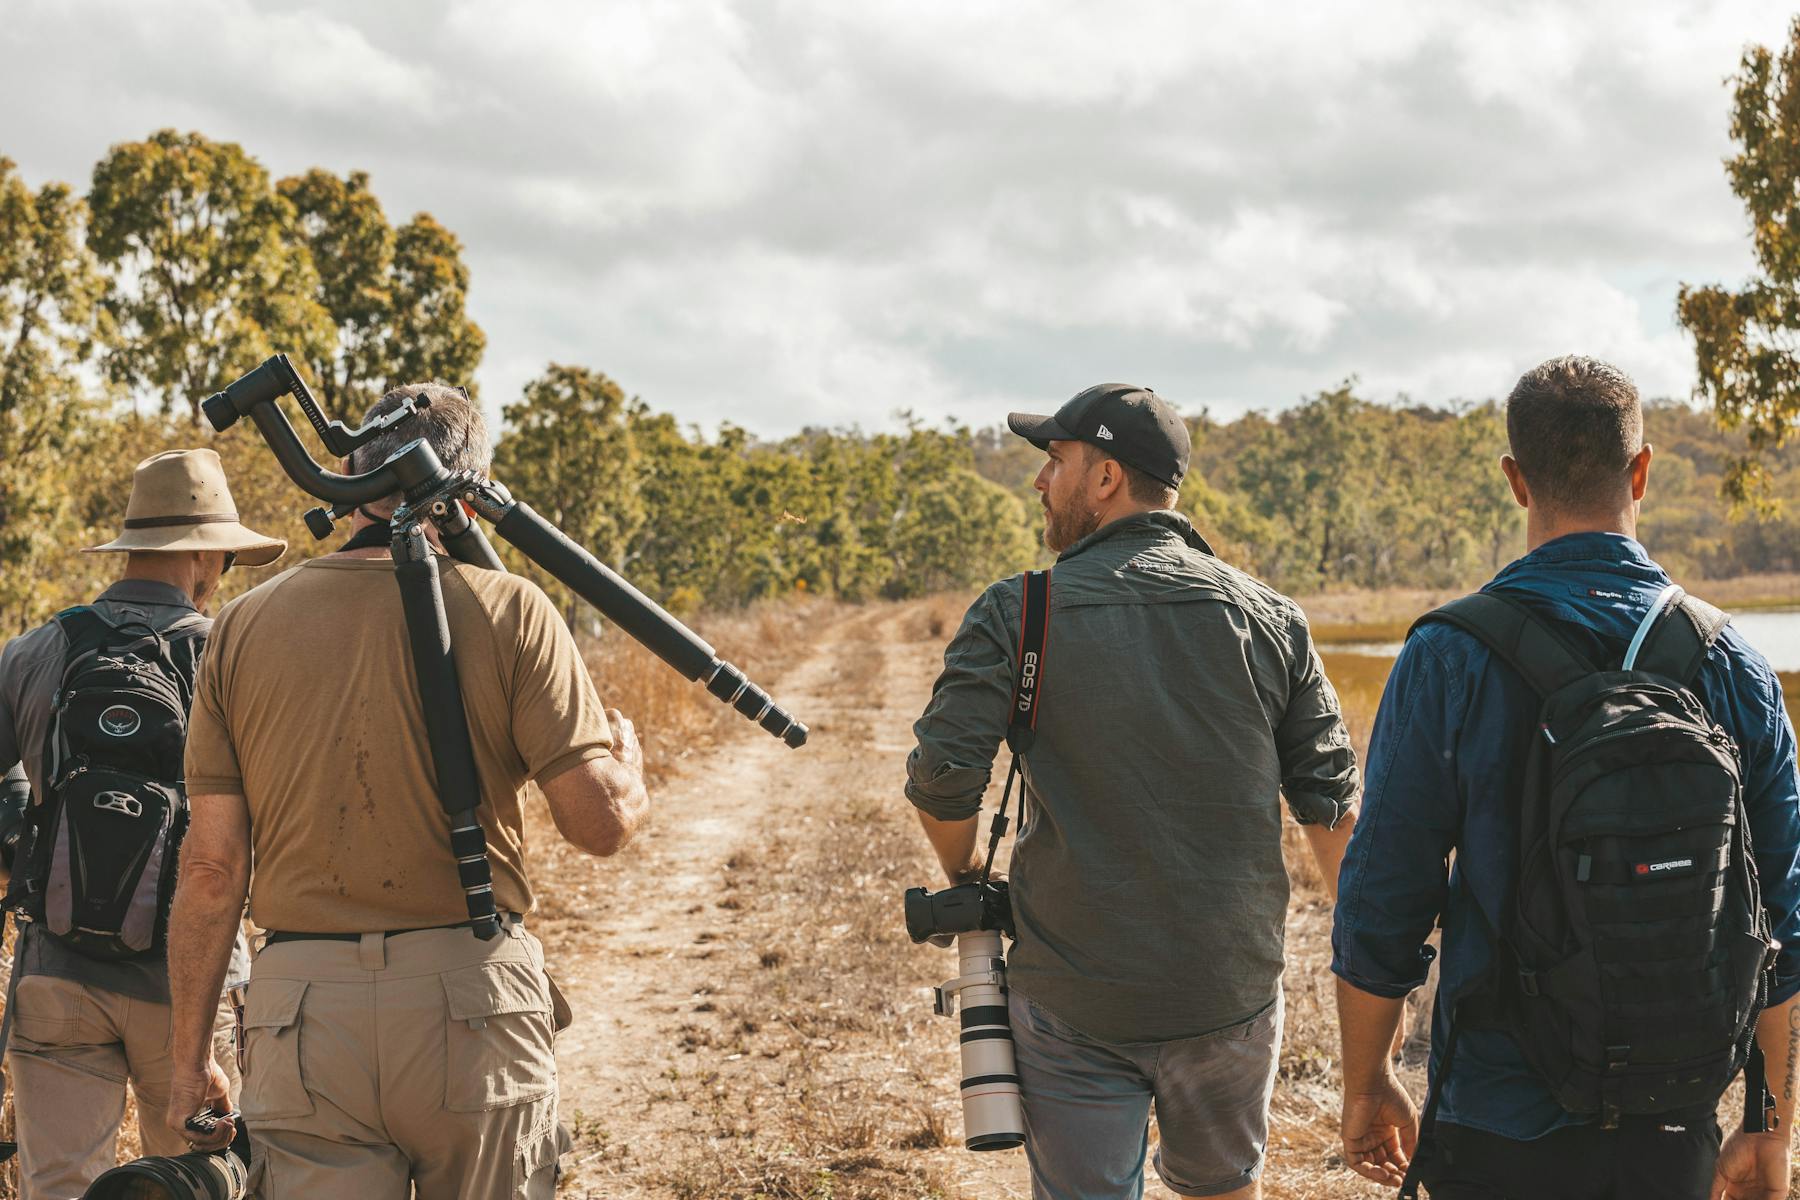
677 718
816 1073
810 1068
1751 591
1362 615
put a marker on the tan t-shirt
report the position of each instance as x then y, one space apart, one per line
308 707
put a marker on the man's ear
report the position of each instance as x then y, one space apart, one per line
1509 466
1109 479
1640 472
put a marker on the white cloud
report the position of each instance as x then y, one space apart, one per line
805 212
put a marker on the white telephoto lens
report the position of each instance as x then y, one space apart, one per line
993 1117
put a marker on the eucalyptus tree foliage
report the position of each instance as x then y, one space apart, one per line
49 287
205 278
1747 341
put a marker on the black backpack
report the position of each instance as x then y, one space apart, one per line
100 849
1636 954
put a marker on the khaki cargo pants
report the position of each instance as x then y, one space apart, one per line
412 1059
73 1047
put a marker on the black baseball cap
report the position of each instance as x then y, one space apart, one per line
1132 424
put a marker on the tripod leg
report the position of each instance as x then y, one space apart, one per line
446 722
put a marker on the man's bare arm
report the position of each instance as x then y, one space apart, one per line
954 842
1758 1166
600 804
208 911
1328 849
1380 1126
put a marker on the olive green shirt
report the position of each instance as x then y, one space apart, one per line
1179 699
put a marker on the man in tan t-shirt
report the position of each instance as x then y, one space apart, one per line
388 1048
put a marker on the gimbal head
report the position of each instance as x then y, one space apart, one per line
447 498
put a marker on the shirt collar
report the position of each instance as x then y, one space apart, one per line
1596 546
148 591
1613 552
1156 521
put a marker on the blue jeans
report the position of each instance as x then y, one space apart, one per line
1088 1103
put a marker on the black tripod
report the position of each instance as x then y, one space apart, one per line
447 499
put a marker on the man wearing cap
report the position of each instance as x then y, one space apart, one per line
81 1027
1179 698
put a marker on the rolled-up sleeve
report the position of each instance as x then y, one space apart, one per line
965 721
1394 881
1772 802
1318 765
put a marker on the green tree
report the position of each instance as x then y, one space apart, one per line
48 288
1311 470
433 335
571 453
958 532
1744 340
398 299
206 279
351 245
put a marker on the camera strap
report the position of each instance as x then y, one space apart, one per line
1021 725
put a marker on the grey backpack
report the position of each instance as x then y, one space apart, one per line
99 851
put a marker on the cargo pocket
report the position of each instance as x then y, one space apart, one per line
497 1037
273 1086
561 1015
534 1177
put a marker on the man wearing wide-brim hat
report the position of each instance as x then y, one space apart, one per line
80 1026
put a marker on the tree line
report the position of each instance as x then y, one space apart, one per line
185 264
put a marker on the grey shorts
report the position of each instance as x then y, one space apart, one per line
1088 1102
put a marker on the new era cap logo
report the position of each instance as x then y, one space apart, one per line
1103 432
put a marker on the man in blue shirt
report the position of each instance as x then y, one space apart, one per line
1446 761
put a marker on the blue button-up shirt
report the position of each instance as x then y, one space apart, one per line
1445 757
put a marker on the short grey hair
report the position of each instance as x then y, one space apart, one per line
452 423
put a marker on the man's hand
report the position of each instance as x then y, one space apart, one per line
1752 1166
1381 1132
599 804
626 748
193 1091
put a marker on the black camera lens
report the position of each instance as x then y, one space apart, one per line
954 910
197 1175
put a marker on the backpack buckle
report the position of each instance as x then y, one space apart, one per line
1528 981
1611 1084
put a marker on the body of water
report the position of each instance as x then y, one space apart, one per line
1359 669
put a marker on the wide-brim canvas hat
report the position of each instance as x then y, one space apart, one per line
180 501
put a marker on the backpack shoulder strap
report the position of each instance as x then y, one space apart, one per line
1677 644
1034 638
1521 639
83 629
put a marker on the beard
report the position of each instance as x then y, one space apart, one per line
1063 529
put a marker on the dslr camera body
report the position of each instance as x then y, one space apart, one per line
976 915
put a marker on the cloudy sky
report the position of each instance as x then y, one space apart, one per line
786 213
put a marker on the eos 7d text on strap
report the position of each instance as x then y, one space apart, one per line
1021 727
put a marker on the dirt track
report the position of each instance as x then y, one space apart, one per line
750 1020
